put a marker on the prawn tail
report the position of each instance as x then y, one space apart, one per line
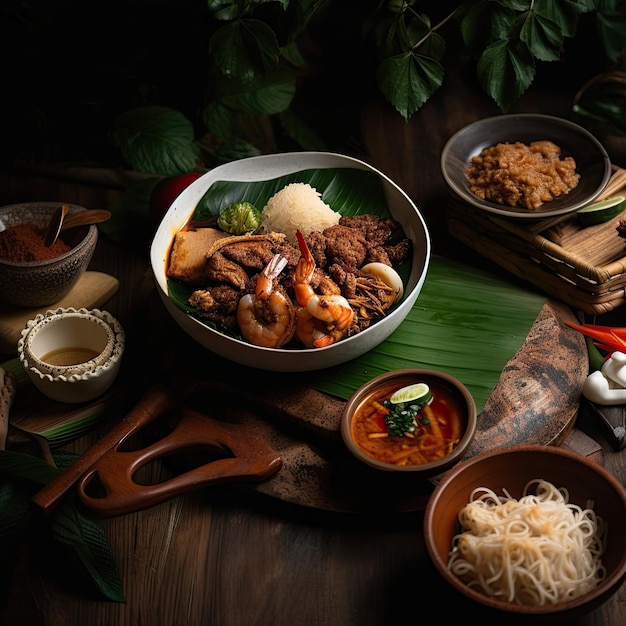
324 341
306 264
265 281
344 317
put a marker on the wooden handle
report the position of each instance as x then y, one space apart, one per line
238 452
156 402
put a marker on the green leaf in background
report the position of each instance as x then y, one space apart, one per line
466 322
612 29
244 47
267 94
88 548
408 80
543 38
505 70
75 545
156 140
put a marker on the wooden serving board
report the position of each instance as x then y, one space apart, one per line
535 401
92 290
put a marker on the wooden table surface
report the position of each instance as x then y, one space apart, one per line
228 556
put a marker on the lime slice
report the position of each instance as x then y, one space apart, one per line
600 212
419 392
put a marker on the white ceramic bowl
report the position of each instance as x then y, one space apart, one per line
262 168
72 355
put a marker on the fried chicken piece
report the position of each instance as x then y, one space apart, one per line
399 252
316 242
254 254
218 304
378 254
222 270
376 230
346 246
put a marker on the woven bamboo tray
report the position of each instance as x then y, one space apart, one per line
584 267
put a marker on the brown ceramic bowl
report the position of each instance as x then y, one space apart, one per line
384 452
45 282
511 468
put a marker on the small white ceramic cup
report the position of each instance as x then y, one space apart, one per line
72 355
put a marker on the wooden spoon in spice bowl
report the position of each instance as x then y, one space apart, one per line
54 226
61 221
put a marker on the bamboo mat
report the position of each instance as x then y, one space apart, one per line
584 267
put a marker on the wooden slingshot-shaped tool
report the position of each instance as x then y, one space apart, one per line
243 456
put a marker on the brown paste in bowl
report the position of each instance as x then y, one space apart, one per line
516 174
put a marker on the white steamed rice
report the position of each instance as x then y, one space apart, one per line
297 206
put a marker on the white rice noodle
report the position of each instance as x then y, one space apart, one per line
540 550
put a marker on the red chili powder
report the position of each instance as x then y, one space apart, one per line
23 243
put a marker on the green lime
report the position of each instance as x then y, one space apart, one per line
418 392
600 212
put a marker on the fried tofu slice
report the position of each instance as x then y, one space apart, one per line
188 256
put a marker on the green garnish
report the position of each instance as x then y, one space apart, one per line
401 418
239 218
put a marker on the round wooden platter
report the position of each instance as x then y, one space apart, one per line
535 401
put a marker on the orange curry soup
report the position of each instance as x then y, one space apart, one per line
432 440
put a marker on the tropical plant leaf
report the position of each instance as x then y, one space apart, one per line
505 70
88 545
612 29
156 140
408 80
466 322
270 93
22 466
76 541
563 14
543 37
245 48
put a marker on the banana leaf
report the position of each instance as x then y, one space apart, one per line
466 322
347 190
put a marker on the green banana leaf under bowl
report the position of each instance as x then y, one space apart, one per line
350 187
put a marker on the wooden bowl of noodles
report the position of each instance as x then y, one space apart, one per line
543 481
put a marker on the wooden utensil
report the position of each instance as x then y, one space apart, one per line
104 475
54 225
157 401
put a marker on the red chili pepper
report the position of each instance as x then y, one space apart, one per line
380 422
607 338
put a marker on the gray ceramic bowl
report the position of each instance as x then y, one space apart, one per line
450 398
266 168
43 283
592 161
511 468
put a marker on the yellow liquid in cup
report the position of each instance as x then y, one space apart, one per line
69 356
